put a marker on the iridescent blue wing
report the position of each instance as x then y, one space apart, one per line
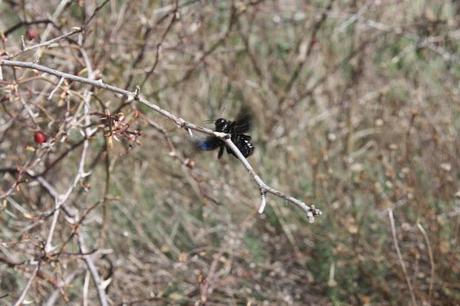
208 144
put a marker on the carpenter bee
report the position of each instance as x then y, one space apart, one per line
236 129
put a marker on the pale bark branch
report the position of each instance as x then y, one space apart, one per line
310 210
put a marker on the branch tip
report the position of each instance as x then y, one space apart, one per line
263 202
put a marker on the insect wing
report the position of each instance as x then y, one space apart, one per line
242 123
208 144
221 151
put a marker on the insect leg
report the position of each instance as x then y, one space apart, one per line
221 151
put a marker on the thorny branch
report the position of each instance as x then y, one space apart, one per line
310 210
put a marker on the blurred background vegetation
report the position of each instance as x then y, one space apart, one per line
356 109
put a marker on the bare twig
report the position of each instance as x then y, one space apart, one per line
93 271
27 287
304 53
311 211
47 43
59 9
53 298
55 88
60 200
86 288
96 10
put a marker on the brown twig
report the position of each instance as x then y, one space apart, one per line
46 43
26 23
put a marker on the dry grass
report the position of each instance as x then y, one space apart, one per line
356 107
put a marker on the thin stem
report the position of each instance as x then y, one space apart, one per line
430 254
398 252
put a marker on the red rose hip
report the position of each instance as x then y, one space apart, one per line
31 34
40 137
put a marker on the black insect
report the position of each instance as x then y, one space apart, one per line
237 130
